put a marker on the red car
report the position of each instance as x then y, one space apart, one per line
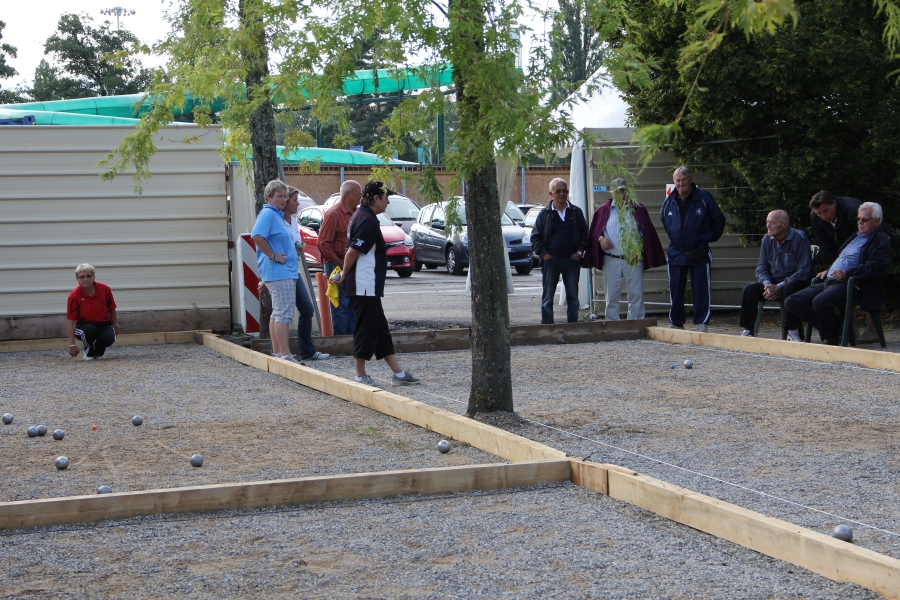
400 254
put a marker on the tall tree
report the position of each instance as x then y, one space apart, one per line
576 46
89 61
6 71
798 112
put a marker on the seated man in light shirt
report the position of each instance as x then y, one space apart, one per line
866 253
784 268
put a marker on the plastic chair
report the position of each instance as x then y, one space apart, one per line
850 302
759 311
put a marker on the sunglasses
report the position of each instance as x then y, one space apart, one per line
864 220
560 191
88 276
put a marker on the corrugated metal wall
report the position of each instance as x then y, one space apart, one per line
164 253
733 265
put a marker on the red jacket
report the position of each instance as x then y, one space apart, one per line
654 256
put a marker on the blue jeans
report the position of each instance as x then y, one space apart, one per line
552 268
343 320
304 323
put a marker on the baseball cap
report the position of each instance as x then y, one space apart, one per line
619 184
376 188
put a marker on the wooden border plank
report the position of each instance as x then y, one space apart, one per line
484 437
875 359
779 539
126 339
590 475
281 492
458 339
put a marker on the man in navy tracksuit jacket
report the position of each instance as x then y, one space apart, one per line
692 220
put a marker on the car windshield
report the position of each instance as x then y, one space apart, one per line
402 208
531 217
513 212
384 221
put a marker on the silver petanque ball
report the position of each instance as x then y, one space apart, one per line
59 434
843 533
62 463
196 460
443 446
688 364
7 418
42 430
104 489
137 420
32 431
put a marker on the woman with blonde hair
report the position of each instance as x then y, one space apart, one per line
91 312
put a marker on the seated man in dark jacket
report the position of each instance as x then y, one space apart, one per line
560 238
866 253
785 267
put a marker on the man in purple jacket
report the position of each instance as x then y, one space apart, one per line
623 243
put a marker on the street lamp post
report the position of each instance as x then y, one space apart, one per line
119 11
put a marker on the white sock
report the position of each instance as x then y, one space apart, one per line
401 374
358 378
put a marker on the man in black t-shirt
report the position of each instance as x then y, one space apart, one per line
365 267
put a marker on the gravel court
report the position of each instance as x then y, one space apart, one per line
539 542
821 435
249 425
562 540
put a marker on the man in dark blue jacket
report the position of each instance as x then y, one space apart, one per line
693 221
868 252
560 238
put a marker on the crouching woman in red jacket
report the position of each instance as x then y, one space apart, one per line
91 312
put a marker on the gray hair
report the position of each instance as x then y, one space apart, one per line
274 186
85 268
555 181
347 186
877 213
683 171
291 191
782 215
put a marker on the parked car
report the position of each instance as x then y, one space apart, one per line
517 212
304 201
402 211
527 225
400 254
435 245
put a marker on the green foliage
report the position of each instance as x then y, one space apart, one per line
807 108
91 61
9 95
576 47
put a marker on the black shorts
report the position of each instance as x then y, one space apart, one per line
371 334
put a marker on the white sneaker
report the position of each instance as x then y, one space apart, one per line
702 328
86 357
747 333
794 336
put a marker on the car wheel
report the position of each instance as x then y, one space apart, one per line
524 269
454 267
417 266
404 273
430 266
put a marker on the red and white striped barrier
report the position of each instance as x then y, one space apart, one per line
248 280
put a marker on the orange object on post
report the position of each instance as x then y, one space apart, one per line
324 305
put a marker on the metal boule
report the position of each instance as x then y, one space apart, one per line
196 460
443 446
59 434
62 463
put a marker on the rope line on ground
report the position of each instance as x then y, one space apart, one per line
685 469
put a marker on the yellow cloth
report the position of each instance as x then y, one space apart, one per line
332 291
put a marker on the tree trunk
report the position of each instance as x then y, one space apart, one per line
262 122
491 378
491 375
